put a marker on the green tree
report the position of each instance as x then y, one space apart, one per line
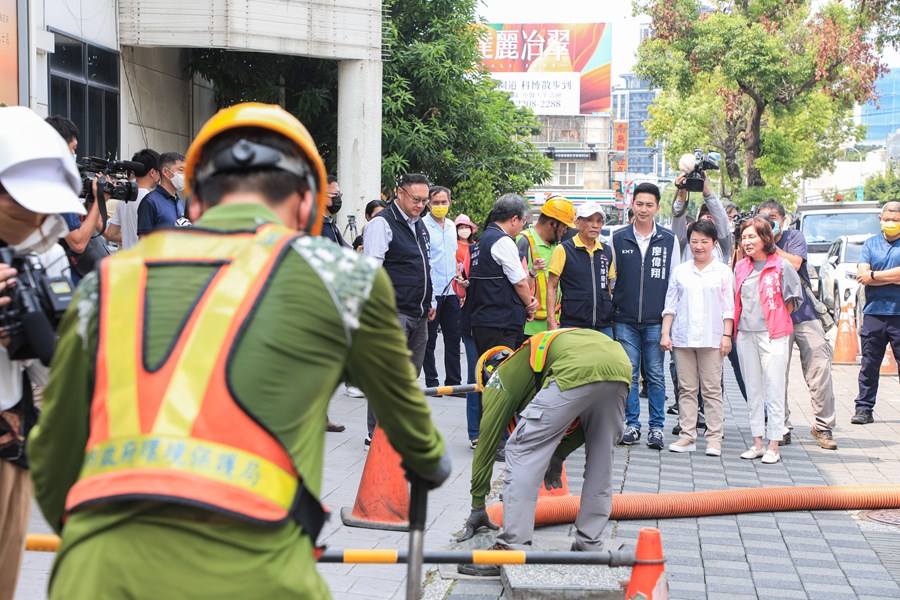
883 188
785 80
442 113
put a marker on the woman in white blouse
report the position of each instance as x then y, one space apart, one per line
697 324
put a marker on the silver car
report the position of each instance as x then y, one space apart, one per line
837 274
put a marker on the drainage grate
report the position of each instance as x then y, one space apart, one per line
890 516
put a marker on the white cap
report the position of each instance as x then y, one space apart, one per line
589 209
36 165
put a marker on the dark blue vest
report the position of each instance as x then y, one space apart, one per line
494 301
641 282
584 284
406 262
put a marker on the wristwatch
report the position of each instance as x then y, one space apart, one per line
872 274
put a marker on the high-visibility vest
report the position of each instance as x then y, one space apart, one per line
540 282
538 348
176 434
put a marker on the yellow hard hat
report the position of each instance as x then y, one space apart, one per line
273 118
489 362
561 209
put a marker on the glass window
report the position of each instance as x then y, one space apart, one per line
825 228
84 87
852 252
103 66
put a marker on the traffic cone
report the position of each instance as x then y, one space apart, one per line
648 576
382 500
560 491
846 344
888 364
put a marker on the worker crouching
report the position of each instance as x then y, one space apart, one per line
568 387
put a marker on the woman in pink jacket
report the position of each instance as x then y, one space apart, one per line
767 289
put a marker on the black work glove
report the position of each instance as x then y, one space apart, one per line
437 478
477 518
553 476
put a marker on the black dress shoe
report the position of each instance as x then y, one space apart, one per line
334 427
862 417
483 570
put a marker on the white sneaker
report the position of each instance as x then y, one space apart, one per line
713 449
683 445
770 458
355 392
753 452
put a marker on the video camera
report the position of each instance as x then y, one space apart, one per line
38 304
694 166
112 177
739 220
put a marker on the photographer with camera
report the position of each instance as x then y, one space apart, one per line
38 182
122 228
694 178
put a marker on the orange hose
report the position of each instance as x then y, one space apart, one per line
555 510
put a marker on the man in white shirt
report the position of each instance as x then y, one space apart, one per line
122 226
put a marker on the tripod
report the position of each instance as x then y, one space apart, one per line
351 227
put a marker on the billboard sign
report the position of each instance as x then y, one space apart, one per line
551 68
620 144
9 52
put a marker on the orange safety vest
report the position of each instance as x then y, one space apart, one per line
540 282
176 434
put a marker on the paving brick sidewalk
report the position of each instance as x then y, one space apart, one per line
813 555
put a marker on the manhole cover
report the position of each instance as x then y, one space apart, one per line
889 516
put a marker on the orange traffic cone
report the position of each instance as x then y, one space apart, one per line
560 491
382 500
888 364
648 576
846 344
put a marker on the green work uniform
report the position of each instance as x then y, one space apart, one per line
574 358
304 338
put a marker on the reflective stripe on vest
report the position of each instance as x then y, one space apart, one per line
540 346
176 434
540 282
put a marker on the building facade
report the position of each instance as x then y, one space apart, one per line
119 70
883 118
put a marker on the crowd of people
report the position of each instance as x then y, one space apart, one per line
170 413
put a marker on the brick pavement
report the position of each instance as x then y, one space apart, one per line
809 554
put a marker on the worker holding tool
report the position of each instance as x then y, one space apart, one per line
567 387
181 444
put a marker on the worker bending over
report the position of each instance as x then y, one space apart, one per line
566 385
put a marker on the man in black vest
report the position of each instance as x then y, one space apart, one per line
398 240
499 295
644 256
330 227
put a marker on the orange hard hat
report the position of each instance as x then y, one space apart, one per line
277 120
561 209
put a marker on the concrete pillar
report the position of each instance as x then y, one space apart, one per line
359 137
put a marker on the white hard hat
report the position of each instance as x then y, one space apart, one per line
36 166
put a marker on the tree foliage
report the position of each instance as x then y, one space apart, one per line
883 188
442 114
768 83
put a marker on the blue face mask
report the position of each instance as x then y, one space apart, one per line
776 226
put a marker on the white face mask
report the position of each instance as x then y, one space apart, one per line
43 238
178 181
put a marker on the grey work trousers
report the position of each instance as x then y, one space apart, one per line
816 355
601 406
416 331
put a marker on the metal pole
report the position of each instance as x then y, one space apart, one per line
418 508
447 390
613 558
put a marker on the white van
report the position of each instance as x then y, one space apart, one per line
821 224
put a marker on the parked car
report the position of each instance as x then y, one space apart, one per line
821 224
608 230
837 274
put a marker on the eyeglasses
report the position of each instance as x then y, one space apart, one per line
415 201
